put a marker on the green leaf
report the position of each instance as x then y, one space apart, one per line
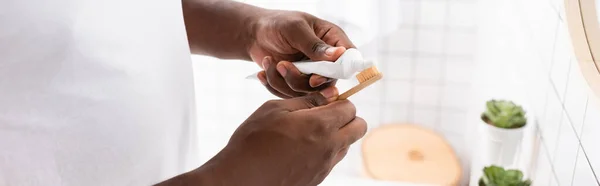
504 114
498 176
526 183
493 173
513 175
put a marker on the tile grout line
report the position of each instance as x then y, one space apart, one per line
556 29
556 11
590 164
443 67
423 54
540 128
564 109
557 96
546 150
451 28
562 103
430 82
414 54
563 100
579 137
587 101
572 127
560 126
383 88
549 73
575 166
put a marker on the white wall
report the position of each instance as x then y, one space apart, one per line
531 40
429 65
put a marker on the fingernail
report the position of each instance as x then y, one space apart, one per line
282 70
265 62
320 81
329 92
330 51
262 78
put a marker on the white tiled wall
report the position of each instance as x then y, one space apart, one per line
531 37
428 64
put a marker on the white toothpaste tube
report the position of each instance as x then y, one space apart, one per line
344 67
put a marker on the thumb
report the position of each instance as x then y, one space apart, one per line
313 47
311 100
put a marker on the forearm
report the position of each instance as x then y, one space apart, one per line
203 176
183 180
216 171
220 28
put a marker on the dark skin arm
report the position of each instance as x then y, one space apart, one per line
271 38
220 28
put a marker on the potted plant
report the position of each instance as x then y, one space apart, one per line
503 126
497 176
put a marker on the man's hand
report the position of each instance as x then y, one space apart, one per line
234 30
293 142
283 36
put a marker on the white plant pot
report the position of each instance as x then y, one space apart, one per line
500 146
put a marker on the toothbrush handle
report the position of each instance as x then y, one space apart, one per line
322 68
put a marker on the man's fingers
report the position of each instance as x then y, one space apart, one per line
350 133
294 78
333 34
276 81
317 80
262 76
304 39
335 115
333 53
340 155
310 101
341 40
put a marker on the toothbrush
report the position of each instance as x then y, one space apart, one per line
344 67
365 78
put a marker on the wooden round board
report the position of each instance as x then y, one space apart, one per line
410 153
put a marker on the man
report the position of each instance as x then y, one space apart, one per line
100 92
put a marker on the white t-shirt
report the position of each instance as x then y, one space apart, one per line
94 92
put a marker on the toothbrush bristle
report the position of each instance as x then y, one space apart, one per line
367 74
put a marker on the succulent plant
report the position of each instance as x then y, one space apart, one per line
504 114
497 176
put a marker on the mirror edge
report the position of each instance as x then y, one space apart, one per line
578 32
